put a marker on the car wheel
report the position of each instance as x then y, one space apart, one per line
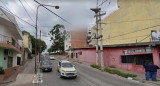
60 75
51 70
57 70
75 77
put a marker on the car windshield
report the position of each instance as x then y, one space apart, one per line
67 65
46 63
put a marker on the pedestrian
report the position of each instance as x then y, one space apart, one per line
151 71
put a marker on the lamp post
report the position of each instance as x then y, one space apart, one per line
57 7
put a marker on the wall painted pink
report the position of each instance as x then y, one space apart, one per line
112 57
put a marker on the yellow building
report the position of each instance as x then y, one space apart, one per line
27 45
132 22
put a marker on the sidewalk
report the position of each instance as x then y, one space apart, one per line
140 77
23 77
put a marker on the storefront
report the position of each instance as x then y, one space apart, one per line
132 57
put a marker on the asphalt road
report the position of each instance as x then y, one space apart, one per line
87 76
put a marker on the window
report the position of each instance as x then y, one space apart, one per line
137 59
80 53
76 55
127 59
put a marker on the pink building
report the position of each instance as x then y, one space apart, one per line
131 57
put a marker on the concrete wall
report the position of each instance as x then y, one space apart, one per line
88 55
112 57
131 17
25 41
3 63
14 59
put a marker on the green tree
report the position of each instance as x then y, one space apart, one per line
43 44
57 38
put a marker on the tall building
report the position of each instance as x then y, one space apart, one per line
75 38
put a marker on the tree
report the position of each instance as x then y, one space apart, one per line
43 44
57 38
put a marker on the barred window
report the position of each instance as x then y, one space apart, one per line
137 59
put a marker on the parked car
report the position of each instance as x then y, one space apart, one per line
46 65
66 69
52 58
45 58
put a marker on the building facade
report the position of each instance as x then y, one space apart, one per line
132 57
131 23
27 45
127 38
75 38
9 36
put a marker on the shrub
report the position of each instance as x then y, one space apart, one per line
1 70
96 66
114 71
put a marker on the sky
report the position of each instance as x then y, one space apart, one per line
76 12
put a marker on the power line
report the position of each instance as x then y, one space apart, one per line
12 13
4 5
26 11
102 3
130 37
53 12
30 7
133 32
145 37
11 21
17 17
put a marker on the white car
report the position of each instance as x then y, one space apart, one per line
52 58
66 69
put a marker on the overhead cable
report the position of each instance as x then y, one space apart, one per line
53 12
26 11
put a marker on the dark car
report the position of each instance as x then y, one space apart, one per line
46 65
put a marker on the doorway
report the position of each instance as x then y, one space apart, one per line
18 60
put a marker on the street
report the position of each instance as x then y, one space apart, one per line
87 76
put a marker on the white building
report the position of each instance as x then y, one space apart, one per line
9 36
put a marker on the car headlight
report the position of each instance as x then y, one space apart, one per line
63 71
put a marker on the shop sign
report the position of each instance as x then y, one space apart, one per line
138 50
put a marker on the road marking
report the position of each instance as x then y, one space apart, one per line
38 78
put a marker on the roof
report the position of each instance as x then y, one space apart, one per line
9 20
123 45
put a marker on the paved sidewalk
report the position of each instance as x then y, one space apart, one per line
140 77
25 76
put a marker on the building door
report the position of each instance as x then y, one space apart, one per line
10 61
71 55
18 60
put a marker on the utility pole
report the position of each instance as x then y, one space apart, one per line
96 10
101 41
40 48
99 27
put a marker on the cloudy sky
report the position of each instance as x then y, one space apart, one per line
77 12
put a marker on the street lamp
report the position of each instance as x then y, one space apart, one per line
56 7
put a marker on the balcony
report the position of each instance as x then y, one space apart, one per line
10 43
